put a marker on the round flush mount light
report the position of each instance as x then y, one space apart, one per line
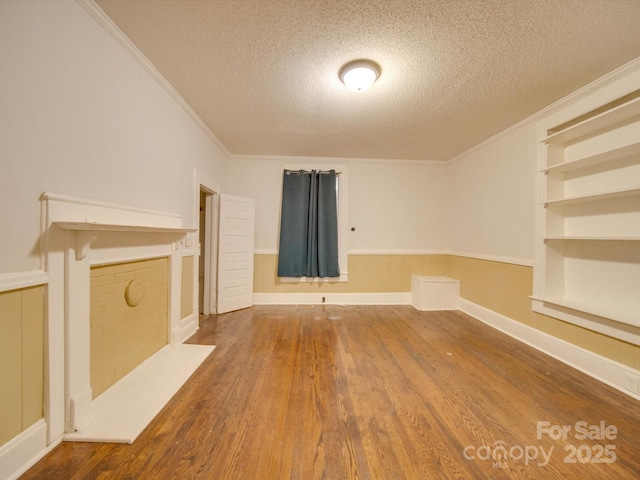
359 75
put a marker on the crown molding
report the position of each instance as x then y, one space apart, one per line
618 73
342 160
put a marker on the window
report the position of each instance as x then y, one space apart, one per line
292 257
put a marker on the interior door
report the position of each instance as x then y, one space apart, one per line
235 253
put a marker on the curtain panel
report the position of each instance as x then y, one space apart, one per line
309 225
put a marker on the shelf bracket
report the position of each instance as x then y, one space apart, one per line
84 239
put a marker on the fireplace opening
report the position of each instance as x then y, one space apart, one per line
129 311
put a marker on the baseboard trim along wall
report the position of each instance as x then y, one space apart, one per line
188 326
601 368
23 451
382 298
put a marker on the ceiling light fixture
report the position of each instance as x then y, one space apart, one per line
359 75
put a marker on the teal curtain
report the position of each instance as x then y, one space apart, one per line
308 225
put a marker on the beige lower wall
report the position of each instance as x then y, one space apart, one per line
367 274
186 303
123 336
505 288
21 360
502 287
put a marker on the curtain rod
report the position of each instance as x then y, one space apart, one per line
297 172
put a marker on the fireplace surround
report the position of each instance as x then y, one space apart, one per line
77 234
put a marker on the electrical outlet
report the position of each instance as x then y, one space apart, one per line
632 383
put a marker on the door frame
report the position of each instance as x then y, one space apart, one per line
210 248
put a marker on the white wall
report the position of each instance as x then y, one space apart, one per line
398 206
261 180
492 187
482 203
393 206
80 116
492 195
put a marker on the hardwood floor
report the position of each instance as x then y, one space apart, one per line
370 393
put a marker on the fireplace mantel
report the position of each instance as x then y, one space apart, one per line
84 239
76 234
109 227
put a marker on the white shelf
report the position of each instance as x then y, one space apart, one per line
594 197
86 232
623 316
596 160
593 160
108 227
597 123
591 238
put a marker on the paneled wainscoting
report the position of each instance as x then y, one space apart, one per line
371 392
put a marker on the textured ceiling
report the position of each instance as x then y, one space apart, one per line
263 74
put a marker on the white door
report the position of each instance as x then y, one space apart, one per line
235 259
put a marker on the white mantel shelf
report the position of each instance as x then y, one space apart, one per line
107 227
87 232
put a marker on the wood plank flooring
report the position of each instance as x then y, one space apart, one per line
384 392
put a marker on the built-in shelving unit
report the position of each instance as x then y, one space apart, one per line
588 259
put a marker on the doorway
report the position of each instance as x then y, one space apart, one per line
207 251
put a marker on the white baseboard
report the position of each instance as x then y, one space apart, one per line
386 298
601 368
23 451
80 407
188 326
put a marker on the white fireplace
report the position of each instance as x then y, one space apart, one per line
76 235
